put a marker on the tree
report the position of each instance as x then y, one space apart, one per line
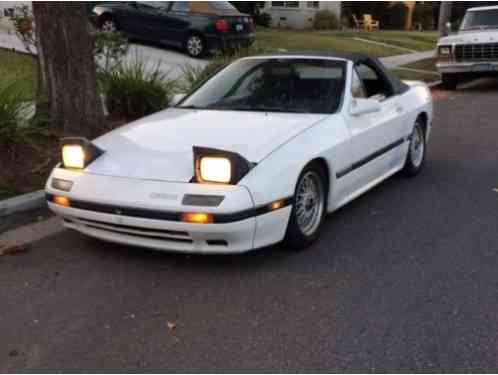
444 16
65 49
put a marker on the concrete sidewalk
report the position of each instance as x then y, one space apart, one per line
398 60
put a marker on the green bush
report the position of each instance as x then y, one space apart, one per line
422 16
263 19
395 16
326 20
14 110
134 89
109 50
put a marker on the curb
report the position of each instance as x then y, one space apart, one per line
21 203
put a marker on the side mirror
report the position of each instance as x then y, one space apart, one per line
177 98
447 28
364 106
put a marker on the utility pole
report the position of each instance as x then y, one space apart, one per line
444 17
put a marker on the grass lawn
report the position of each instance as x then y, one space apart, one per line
410 75
427 64
342 41
427 67
417 41
21 68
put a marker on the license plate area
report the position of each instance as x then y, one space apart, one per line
483 68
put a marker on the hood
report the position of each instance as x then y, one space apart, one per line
159 147
469 37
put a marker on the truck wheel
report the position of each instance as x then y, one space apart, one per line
450 81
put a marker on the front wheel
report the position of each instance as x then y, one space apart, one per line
415 158
195 45
309 208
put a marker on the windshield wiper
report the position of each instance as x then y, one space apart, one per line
259 109
189 107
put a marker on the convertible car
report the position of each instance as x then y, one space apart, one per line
258 154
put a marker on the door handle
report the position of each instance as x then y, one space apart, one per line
399 109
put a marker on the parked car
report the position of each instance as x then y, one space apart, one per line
258 154
473 50
196 26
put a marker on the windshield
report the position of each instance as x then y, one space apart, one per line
273 85
480 19
222 5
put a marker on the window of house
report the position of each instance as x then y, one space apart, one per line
285 4
313 4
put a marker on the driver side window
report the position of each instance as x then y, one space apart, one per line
375 84
357 88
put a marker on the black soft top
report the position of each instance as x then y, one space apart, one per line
398 86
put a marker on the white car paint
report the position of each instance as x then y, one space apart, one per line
148 165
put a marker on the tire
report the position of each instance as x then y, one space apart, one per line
450 81
195 45
108 25
302 230
415 158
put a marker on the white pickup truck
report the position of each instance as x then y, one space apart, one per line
473 50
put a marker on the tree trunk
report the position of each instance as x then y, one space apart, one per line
66 58
444 17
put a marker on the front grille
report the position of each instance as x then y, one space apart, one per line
157 234
476 52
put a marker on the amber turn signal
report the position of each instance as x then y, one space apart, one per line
276 205
197 218
62 201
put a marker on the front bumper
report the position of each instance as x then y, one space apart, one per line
146 213
471 67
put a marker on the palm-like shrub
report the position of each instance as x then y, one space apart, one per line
135 89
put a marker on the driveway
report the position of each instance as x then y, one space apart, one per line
403 279
170 61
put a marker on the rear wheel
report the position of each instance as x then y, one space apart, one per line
195 45
450 81
309 208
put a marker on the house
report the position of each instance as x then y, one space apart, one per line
297 14
7 8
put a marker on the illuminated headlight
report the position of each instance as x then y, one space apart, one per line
214 169
73 156
218 166
78 153
445 51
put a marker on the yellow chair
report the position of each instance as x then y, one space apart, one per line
369 24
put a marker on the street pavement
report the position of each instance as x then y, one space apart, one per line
403 279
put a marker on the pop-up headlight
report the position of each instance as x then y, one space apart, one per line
218 166
78 153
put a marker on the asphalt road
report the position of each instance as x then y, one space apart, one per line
403 279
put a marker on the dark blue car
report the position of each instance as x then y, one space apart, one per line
198 27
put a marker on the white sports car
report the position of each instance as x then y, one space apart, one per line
258 154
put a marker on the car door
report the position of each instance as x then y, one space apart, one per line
377 136
179 18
